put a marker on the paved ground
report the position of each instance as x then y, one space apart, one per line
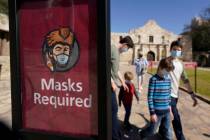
204 68
196 122
5 102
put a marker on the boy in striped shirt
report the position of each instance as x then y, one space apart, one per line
159 96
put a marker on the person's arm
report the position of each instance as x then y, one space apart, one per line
122 81
146 62
188 86
186 81
116 75
114 86
169 100
153 117
120 95
135 61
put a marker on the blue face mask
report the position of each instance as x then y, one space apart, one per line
62 59
123 49
176 53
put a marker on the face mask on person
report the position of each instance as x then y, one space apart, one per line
124 49
176 53
62 59
165 73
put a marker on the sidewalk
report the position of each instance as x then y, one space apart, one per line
204 68
195 120
5 102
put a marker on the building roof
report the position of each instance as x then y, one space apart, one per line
4 22
151 26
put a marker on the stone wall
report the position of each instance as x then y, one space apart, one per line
4 47
151 28
5 91
5 68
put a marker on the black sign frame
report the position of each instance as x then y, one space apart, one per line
103 66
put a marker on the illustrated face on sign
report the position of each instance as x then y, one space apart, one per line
61 54
61 50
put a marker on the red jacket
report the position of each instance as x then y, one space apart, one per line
127 96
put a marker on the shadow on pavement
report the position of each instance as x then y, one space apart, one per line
145 119
134 134
206 135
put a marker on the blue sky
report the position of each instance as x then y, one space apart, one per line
169 14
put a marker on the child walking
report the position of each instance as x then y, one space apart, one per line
159 97
126 97
141 68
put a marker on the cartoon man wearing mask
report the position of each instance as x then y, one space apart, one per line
60 50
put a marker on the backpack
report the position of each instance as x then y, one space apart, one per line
141 66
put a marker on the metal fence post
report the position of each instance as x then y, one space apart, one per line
196 78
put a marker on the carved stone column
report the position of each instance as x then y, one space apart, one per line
158 52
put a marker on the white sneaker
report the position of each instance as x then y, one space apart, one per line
126 136
139 131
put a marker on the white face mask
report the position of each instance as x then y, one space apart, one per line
62 59
165 73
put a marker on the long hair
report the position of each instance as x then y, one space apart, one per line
167 64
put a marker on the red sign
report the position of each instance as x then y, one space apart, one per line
58 66
186 64
190 64
153 64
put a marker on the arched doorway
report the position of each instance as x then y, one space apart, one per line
202 61
151 56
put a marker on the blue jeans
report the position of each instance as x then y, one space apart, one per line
177 125
115 122
127 116
164 121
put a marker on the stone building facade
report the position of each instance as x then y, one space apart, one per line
153 42
4 48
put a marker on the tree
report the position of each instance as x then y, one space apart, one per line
206 14
201 38
199 30
4 6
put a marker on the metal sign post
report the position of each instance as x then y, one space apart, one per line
196 77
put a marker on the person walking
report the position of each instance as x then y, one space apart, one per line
176 75
159 98
126 97
116 80
141 68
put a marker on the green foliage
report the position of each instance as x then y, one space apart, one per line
199 30
4 6
203 81
201 38
206 14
